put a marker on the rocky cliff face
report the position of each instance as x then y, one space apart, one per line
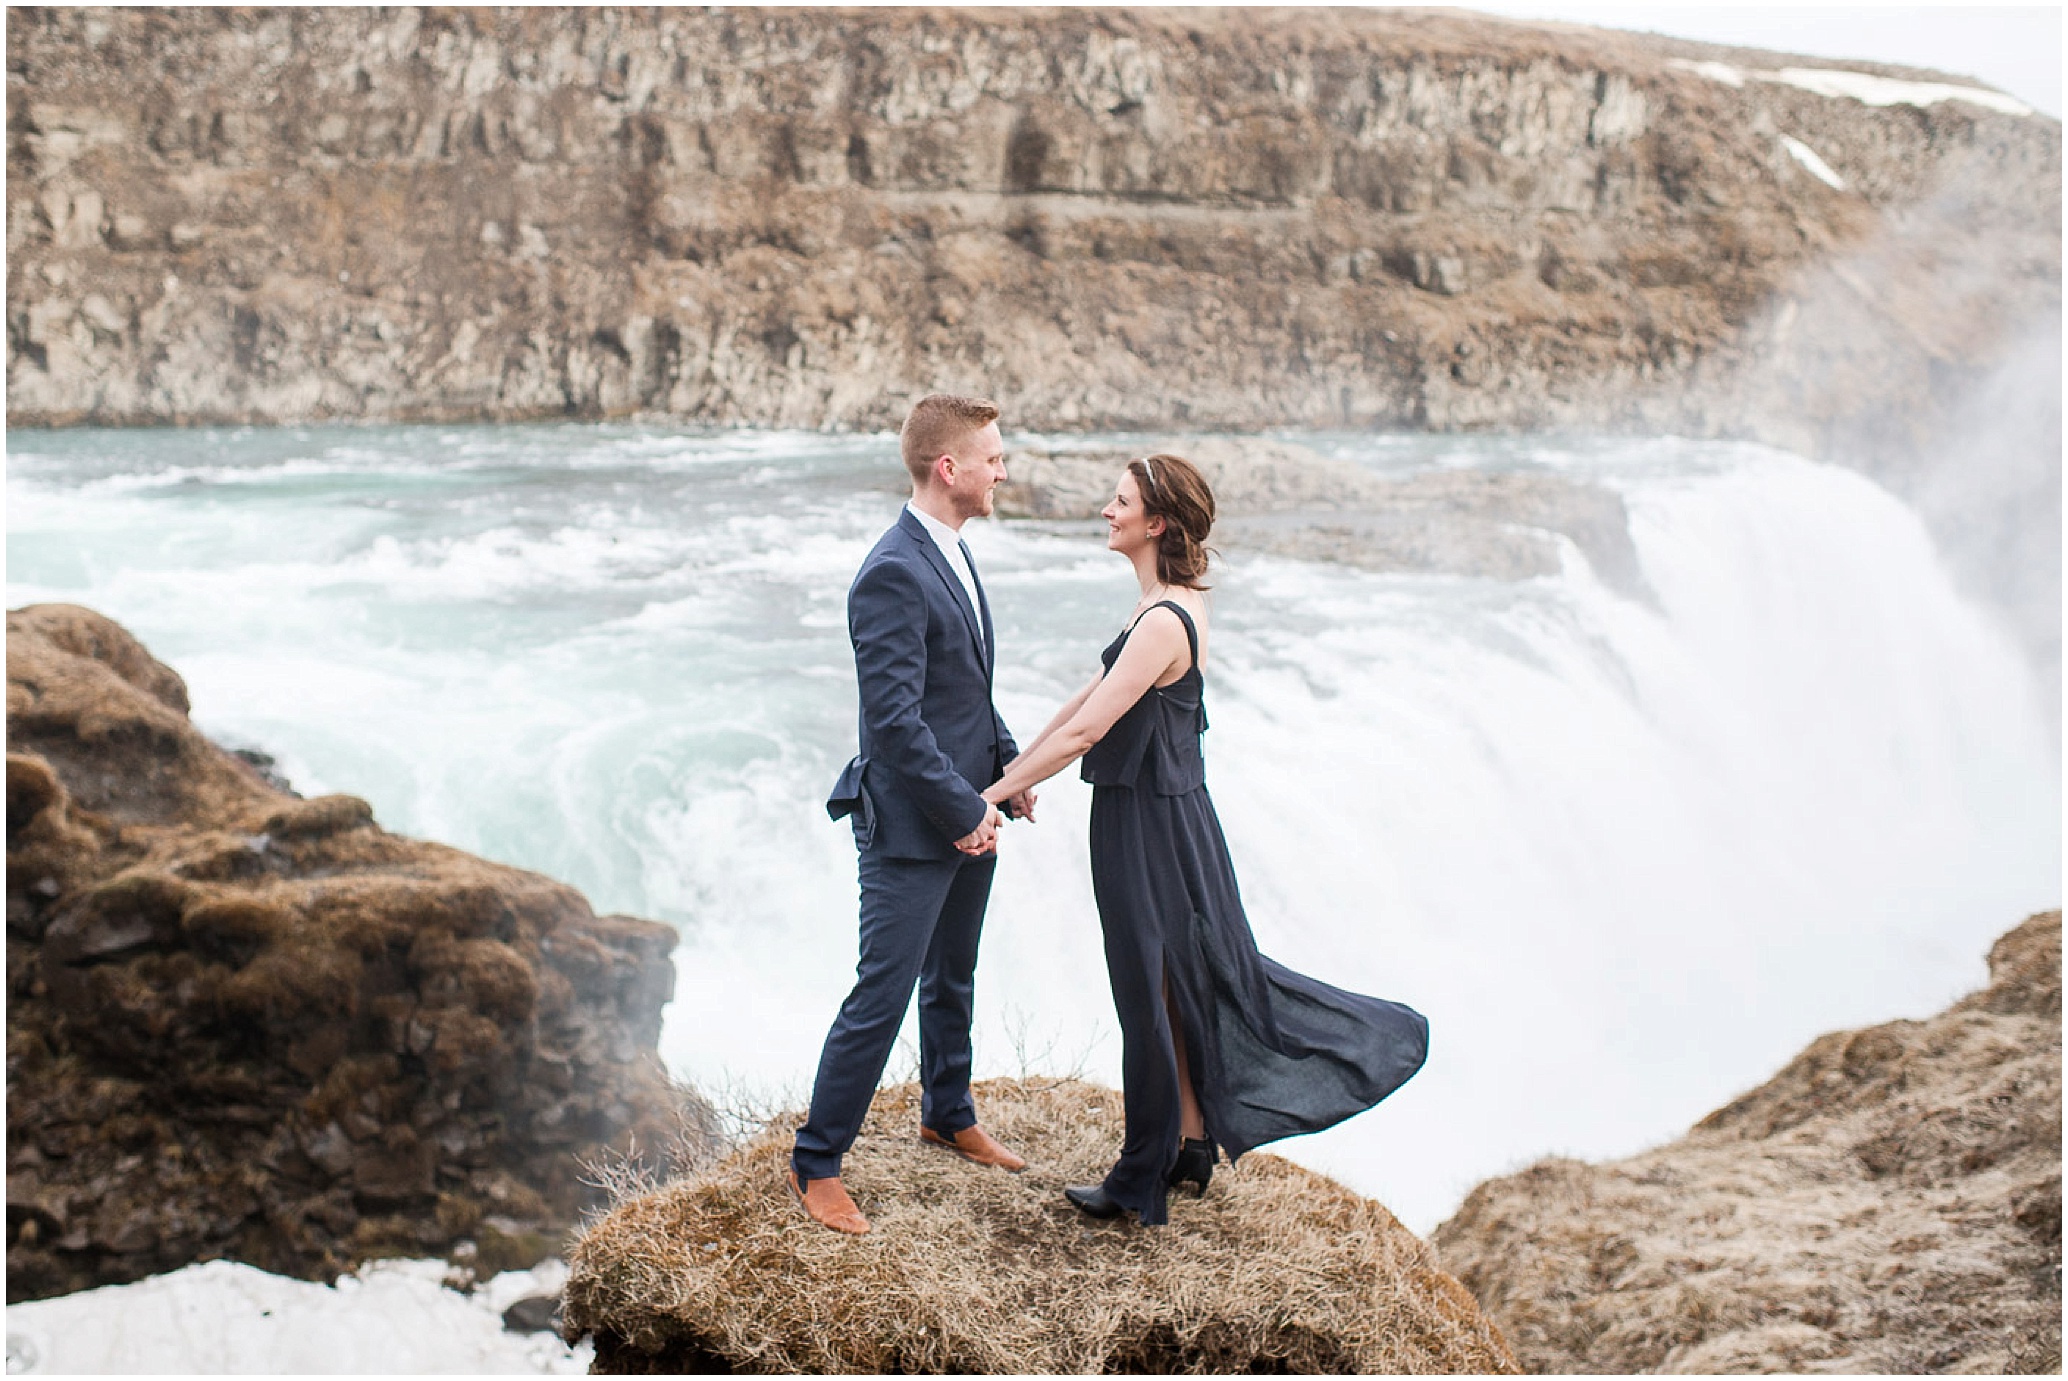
1143 219
1889 1202
243 1024
1211 219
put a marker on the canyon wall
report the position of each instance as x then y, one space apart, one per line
1107 218
1158 219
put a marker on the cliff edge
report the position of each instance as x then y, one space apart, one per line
972 1270
243 1024
1889 1202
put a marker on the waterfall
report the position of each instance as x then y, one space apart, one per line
1627 855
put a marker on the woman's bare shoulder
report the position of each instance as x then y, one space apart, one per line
1194 603
1167 630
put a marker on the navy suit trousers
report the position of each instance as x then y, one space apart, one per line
921 919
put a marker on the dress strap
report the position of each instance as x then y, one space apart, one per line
1191 633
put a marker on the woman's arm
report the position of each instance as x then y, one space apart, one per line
1020 805
1062 716
1157 644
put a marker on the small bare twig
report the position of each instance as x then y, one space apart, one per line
1039 1067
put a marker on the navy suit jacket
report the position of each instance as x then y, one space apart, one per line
931 739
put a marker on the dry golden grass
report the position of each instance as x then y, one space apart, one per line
1276 1269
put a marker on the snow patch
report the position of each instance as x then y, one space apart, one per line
226 1317
1714 71
1871 90
1807 157
1863 87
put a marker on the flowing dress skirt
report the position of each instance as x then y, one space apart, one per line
1273 1053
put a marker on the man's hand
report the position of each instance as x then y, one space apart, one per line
984 838
1023 806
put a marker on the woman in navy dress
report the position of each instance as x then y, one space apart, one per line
1220 1046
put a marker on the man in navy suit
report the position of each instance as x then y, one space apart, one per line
930 742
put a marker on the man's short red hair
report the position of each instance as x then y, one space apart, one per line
938 425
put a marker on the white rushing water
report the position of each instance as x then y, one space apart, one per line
1627 857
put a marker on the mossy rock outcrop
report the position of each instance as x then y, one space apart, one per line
1889 1202
968 1269
242 1024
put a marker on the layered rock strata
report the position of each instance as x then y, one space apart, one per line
1889 1202
1207 220
243 1024
1111 218
971 1270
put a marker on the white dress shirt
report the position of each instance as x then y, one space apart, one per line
950 543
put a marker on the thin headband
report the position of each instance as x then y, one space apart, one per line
1148 470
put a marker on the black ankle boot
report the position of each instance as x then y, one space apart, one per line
1195 1165
1094 1200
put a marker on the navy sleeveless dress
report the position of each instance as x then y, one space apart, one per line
1272 1053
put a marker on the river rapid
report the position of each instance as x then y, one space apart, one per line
1627 855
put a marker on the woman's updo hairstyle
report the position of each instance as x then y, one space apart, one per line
1173 489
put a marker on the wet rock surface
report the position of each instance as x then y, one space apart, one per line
243 1024
1889 1202
533 1314
1282 497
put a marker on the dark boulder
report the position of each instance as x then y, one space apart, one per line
242 1024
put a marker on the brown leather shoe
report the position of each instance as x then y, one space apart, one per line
827 1201
974 1143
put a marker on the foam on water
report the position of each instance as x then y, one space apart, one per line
1627 856
1629 860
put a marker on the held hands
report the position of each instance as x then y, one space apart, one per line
984 838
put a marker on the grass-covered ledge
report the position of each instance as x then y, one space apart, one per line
1275 1269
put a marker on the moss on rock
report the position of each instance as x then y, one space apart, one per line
244 1024
1889 1202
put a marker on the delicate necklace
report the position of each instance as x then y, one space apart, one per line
1142 607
